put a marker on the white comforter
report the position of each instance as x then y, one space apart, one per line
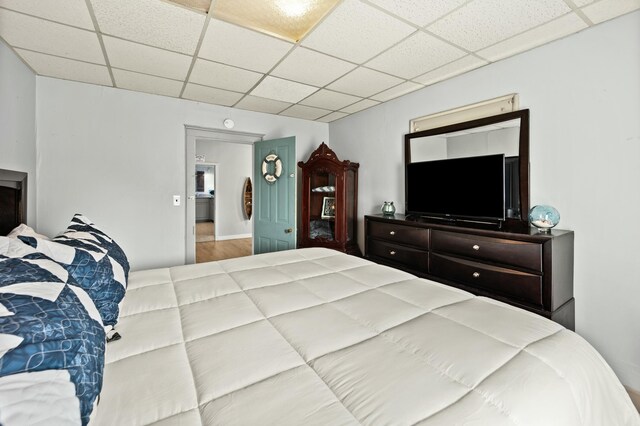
316 337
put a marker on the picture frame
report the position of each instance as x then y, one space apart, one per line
328 208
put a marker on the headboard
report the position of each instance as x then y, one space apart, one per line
13 200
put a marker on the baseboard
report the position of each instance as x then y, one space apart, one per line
233 237
635 397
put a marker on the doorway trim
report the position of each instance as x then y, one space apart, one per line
192 134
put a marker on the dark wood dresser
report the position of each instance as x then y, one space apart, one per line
525 268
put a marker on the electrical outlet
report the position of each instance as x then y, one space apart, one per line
176 200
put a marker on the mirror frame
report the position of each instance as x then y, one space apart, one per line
523 149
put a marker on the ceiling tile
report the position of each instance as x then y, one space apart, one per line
70 12
479 24
147 83
363 104
399 90
223 76
330 100
48 37
357 32
241 47
416 55
545 33
309 67
581 3
608 9
450 70
282 90
210 95
364 82
308 113
415 10
332 117
254 103
152 22
145 59
68 69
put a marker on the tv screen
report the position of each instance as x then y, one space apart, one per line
464 188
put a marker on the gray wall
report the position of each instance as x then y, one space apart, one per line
118 157
234 165
18 122
584 95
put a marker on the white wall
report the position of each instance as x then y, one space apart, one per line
234 165
118 157
584 96
18 122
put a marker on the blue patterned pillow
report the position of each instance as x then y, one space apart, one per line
47 322
80 223
90 265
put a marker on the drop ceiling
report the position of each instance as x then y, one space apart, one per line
359 53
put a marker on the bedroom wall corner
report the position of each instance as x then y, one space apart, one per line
18 123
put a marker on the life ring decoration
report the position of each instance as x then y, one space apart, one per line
271 168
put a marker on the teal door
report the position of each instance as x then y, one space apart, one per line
274 226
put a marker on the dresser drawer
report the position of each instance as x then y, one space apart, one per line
510 252
399 233
413 258
508 282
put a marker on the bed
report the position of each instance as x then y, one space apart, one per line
300 337
317 337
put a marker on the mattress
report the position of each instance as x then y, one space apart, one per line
317 337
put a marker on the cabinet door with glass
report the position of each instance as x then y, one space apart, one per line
329 202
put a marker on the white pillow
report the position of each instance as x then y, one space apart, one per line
27 231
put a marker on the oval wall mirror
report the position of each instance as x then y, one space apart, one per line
247 198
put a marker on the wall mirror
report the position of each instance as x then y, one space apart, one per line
506 134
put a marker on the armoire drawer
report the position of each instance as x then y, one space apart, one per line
509 282
413 258
399 233
515 253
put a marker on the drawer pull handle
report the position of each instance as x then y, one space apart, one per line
476 274
392 253
392 233
476 247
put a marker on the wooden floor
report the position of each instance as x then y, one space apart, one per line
208 250
204 232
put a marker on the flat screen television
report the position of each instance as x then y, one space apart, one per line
469 188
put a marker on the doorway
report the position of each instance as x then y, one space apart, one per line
232 232
205 203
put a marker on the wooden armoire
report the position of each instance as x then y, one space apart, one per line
329 202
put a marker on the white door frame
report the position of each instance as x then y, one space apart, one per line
192 134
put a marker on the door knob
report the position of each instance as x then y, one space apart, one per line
288 230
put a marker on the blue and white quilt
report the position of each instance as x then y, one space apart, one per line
81 223
52 341
91 266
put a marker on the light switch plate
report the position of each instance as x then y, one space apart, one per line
176 200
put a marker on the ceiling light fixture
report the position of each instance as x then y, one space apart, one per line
287 19
293 8
199 5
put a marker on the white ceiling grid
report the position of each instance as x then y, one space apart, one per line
362 53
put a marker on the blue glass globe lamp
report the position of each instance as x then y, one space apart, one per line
544 217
